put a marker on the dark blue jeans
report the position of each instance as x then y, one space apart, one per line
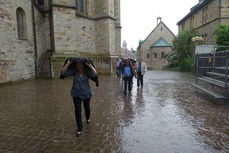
77 103
127 81
140 79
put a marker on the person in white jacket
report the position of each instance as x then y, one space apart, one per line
141 69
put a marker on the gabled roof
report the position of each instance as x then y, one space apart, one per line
161 43
153 31
194 9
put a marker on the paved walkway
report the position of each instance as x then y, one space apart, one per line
165 116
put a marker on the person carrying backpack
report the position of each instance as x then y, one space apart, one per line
127 74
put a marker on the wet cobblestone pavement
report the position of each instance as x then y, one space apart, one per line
165 116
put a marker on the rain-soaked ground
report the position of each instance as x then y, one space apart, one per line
165 116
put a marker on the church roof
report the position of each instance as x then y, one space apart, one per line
161 43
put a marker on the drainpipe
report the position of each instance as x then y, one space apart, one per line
220 5
51 28
35 40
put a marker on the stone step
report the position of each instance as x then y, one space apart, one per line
221 75
213 81
214 94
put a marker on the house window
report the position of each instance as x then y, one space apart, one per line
161 28
80 6
206 19
41 2
155 55
21 23
148 55
203 16
183 26
191 23
206 39
163 55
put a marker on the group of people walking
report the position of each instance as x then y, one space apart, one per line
83 69
129 68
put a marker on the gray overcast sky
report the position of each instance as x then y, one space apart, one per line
139 17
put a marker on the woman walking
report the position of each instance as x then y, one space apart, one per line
81 90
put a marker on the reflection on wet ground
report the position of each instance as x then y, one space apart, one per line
162 117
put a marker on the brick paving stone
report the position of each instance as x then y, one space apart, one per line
163 116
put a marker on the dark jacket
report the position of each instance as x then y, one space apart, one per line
73 68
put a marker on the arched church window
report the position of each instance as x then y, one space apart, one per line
21 23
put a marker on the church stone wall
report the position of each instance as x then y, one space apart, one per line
158 62
42 33
94 36
64 2
16 55
73 34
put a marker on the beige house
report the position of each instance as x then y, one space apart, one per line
36 36
154 49
205 17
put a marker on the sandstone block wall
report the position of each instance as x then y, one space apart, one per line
42 33
16 55
64 2
95 34
209 29
73 34
160 61
224 8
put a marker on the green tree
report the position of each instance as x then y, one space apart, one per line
222 36
183 46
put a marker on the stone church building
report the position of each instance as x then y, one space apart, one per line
36 36
158 44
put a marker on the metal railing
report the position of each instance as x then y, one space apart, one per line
213 68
